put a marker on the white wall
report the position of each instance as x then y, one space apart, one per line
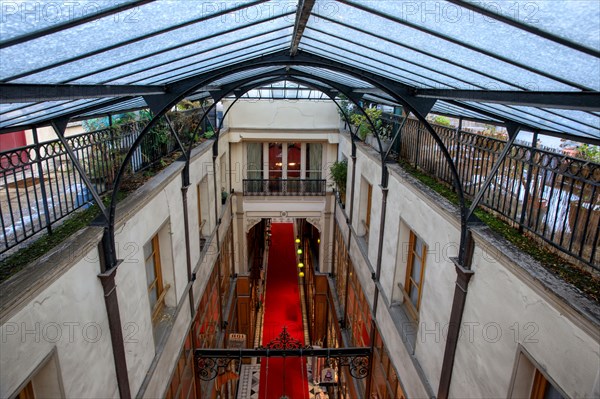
74 302
502 297
282 114
68 317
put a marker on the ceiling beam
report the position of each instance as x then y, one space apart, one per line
24 93
302 14
581 101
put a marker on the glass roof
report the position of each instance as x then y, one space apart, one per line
547 45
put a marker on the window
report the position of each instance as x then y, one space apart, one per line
414 272
27 392
203 211
254 156
156 290
294 162
45 381
275 161
366 199
542 389
369 199
530 382
314 160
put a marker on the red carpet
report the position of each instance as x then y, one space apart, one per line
282 308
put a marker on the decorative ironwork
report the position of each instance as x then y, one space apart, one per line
552 196
284 341
281 187
358 365
40 185
211 363
208 368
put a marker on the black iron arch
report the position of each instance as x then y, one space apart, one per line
179 90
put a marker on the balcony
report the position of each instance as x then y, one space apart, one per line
284 187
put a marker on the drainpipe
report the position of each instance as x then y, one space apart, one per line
377 274
107 278
463 275
185 184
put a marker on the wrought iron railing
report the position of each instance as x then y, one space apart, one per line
39 185
554 197
281 187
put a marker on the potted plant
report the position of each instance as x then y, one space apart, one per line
223 195
339 173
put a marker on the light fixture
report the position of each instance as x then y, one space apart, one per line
300 265
297 240
318 240
301 274
291 163
299 251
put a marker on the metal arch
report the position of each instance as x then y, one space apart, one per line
180 89
327 92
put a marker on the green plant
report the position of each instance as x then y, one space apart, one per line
441 120
339 174
589 152
364 127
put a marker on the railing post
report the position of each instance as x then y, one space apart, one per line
38 161
528 183
418 149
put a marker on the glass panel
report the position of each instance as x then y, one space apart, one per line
554 16
426 43
214 66
132 24
211 60
147 249
275 161
419 246
432 68
494 36
334 76
178 60
293 160
153 295
25 17
415 271
150 271
357 64
414 295
540 118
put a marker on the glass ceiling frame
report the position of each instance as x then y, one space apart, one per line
309 39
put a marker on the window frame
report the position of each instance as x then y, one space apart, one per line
157 283
409 280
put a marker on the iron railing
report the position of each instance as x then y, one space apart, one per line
554 197
281 187
40 186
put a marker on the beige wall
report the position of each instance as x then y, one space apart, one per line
508 311
73 303
282 114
